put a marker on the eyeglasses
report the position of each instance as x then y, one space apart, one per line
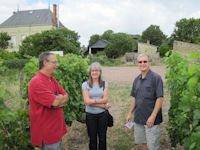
145 61
95 70
53 61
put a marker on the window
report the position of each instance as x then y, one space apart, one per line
23 37
13 41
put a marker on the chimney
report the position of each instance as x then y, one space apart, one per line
148 41
54 13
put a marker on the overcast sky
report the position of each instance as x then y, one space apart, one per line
88 17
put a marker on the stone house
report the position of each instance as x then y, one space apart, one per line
146 48
24 23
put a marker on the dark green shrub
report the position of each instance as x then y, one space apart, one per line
15 63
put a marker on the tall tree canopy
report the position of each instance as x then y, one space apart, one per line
187 30
51 40
94 38
4 38
120 43
154 34
107 35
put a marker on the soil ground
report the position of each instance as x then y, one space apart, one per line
77 138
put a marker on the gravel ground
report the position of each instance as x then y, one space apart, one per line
127 74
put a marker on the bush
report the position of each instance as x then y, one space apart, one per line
183 80
15 63
105 61
71 73
5 55
14 126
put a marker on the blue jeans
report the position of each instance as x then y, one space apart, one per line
55 146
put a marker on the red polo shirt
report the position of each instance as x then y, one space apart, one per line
47 124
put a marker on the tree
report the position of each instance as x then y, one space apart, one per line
120 44
107 35
186 30
94 38
164 48
51 40
4 38
154 34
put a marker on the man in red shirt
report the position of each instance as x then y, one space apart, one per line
46 99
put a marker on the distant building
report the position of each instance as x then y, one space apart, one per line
24 23
146 48
185 47
99 45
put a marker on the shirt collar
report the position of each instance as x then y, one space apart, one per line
147 75
44 76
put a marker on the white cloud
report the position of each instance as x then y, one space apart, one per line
88 17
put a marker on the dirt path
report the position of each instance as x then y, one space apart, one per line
118 75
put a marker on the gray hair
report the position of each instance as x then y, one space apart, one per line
97 66
142 55
42 57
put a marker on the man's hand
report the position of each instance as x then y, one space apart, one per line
60 101
150 121
128 118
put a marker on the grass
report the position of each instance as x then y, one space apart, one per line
11 83
118 136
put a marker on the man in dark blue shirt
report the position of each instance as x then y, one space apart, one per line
147 93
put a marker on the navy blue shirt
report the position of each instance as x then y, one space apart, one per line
146 91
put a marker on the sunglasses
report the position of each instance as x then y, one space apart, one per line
53 61
145 61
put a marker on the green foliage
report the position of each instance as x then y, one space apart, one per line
101 53
187 30
71 73
154 34
4 38
15 63
93 38
2 68
164 48
120 43
5 55
105 61
52 40
183 80
14 126
107 35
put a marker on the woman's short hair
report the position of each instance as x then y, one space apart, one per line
95 65
142 55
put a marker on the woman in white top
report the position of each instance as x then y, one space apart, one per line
95 94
